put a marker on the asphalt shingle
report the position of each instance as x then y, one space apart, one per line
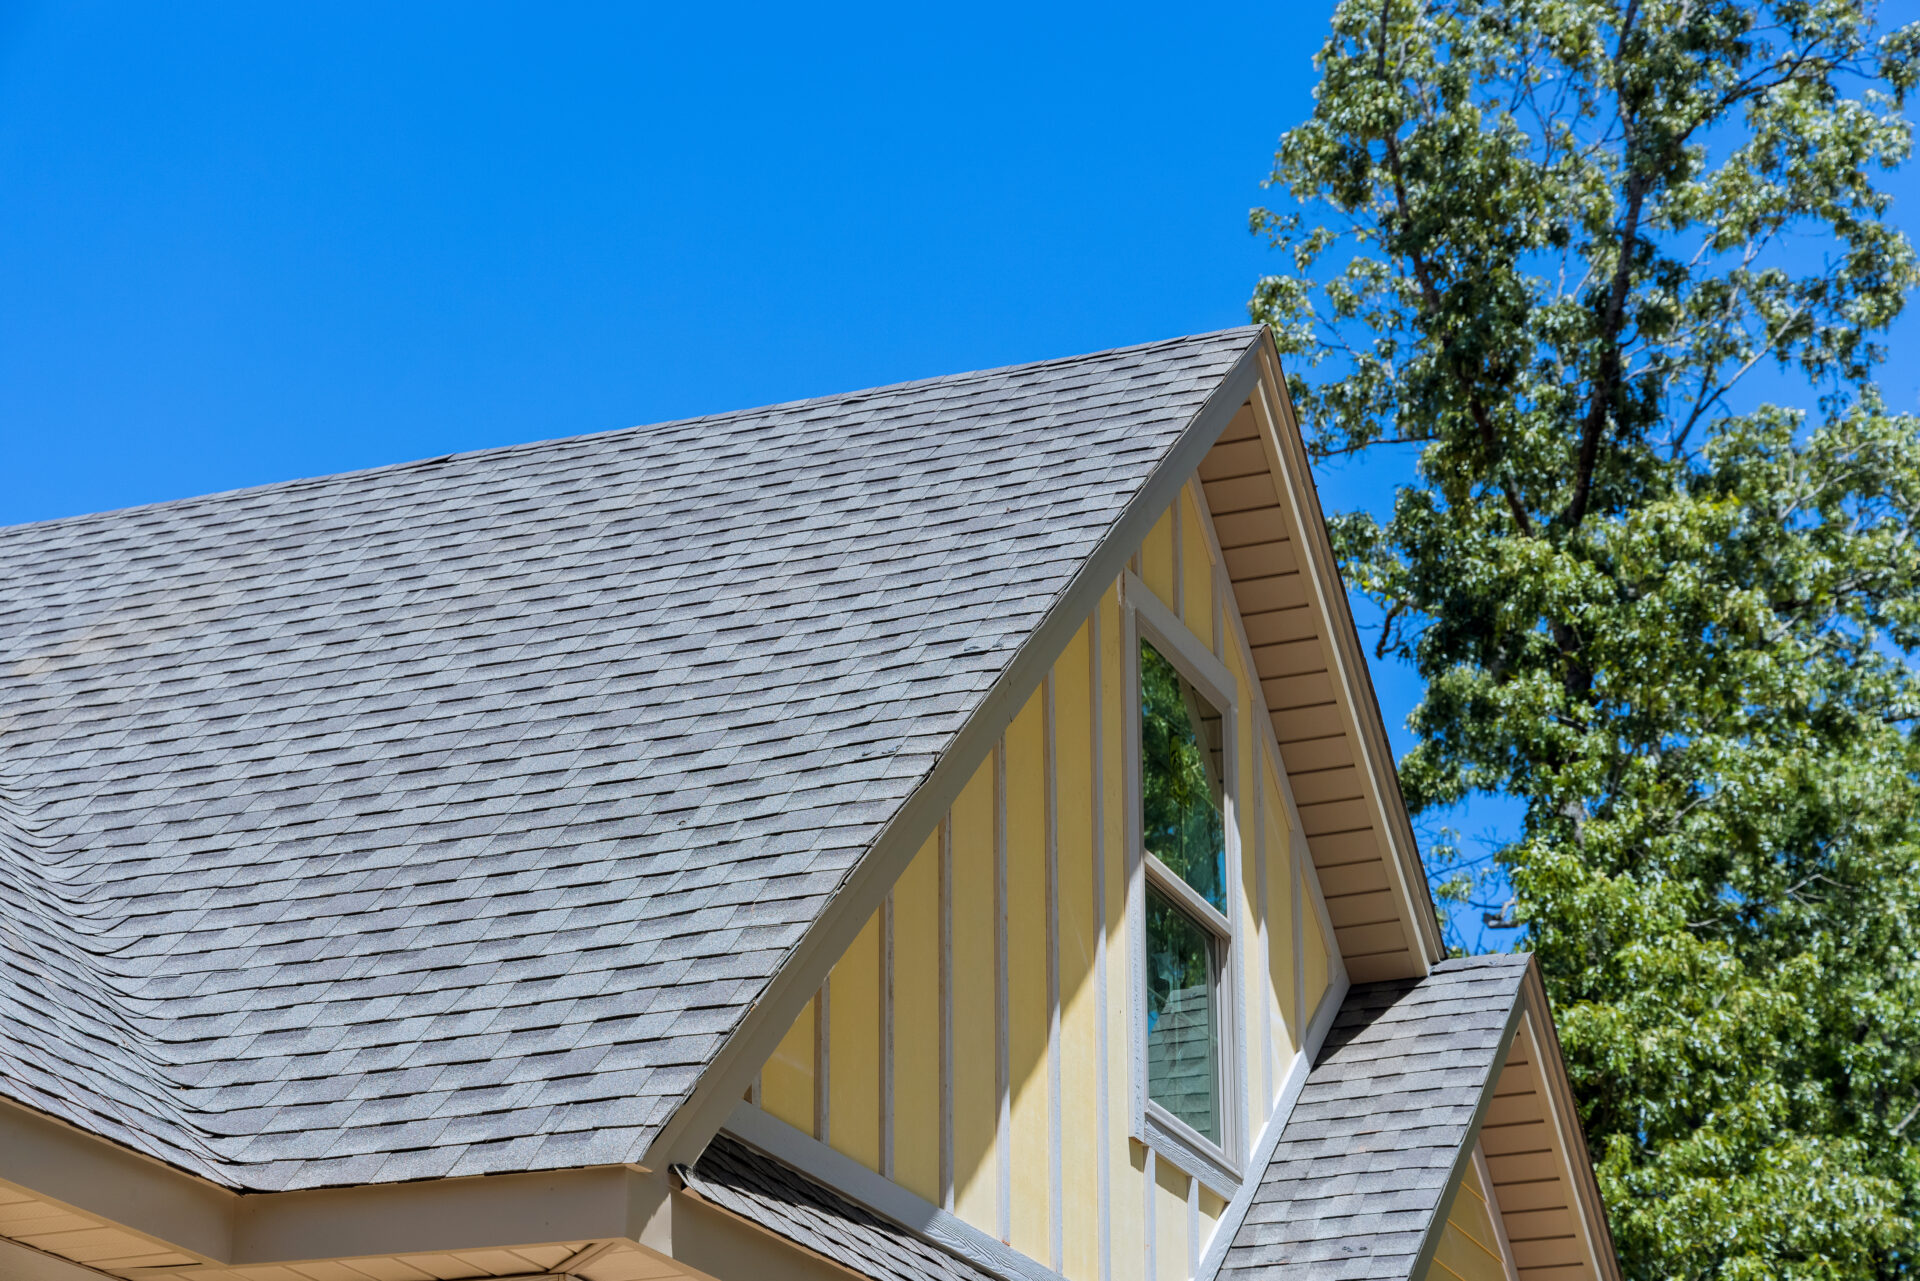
344 821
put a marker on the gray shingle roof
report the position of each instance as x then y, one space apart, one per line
770 1193
444 819
1362 1167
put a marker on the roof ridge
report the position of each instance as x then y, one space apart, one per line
530 446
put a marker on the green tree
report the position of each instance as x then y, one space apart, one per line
1542 243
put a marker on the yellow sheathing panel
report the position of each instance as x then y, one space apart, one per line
976 1105
1156 560
786 1081
1126 1160
1313 950
1475 1214
853 1074
1212 1206
916 1024
1196 573
1468 1249
1282 874
1027 1007
1169 1224
1080 1137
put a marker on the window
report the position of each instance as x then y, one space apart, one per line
1183 837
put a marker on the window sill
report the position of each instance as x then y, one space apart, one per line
1179 1144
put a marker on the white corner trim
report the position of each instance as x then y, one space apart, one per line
856 1182
1002 1005
1103 1175
1323 1014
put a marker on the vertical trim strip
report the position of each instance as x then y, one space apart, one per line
1135 902
1103 1174
946 1012
822 1060
1299 882
1152 1235
1002 1063
1056 1232
1234 1126
886 1036
1263 943
1222 593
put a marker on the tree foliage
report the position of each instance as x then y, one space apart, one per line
1560 248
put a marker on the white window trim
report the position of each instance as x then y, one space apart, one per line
1219 1166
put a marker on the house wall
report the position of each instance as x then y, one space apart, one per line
974 1045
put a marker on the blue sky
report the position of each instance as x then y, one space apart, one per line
242 243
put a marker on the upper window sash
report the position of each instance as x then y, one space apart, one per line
1175 887
1173 638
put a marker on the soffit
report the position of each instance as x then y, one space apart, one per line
1326 721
